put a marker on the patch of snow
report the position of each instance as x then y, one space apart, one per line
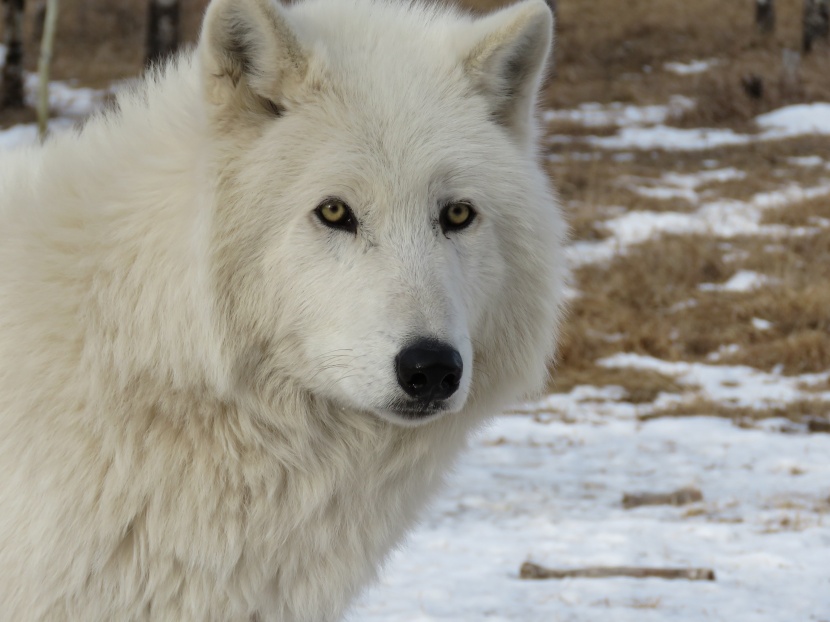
683 185
742 281
806 161
623 115
725 218
550 492
761 324
690 68
670 138
786 122
796 120
729 385
726 350
64 99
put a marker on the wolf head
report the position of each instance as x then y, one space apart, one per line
384 236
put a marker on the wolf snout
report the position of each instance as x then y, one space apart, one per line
429 370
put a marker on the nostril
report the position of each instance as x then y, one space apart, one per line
418 381
450 381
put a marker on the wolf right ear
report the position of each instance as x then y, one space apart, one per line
249 44
506 56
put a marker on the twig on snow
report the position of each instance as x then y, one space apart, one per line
682 496
530 570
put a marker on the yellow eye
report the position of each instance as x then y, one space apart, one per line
333 212
336 214
456 216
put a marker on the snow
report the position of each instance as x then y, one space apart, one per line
797 119
599 115
806 161
761 324
725 218
65 100
742 281
67 103
682 185
549 491
643 128
690 68
730 386
670 138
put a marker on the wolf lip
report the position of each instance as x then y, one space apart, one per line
417 411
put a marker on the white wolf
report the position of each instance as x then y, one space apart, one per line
248 319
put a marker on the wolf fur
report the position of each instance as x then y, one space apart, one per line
195 373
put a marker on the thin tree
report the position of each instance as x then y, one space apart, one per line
816 22
765 16
162 30
44 64
11 81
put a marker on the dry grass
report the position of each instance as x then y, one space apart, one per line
649 302
722 97
799 412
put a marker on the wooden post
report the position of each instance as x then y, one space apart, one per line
44 63
765 16
816 22
162 30
11 81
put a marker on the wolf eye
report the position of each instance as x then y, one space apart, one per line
336 214
457 216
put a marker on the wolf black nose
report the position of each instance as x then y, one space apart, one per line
429 370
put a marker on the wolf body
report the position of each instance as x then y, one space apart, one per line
202 409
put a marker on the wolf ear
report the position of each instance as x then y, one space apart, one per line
507 61
249 44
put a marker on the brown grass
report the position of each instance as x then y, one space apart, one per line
798 412
649 302
722 99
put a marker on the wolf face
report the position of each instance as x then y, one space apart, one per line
387 181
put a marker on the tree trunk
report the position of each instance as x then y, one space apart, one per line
162 30
765 16
816 22
552 60
44 64
11 81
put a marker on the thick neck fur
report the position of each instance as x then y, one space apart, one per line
204 494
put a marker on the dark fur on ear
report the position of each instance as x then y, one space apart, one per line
507 62
251 44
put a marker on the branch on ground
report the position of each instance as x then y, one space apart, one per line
534 571
682 496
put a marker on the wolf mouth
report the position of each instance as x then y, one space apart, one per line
415 411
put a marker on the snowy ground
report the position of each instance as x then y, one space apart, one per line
547 488
546 484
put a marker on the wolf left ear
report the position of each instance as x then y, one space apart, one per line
507 62
248 45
